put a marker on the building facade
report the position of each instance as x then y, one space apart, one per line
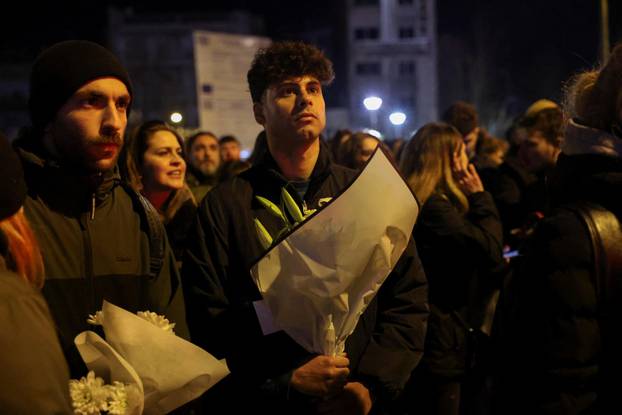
392 55
158 50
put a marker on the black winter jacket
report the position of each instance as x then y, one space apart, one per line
34 377
459 254
387 343
95 246
552 336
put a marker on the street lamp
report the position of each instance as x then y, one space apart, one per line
397 118
373 104
176 118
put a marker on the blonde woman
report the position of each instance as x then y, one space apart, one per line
154 166
34 374
458 236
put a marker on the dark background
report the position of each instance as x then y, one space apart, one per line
501 55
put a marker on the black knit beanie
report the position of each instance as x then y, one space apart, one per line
12 185
62 69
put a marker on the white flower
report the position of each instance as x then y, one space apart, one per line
97 319
117 398
88 395
157 320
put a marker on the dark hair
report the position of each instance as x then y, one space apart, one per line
283 60
228 139
463 116
259 149
336 143
190 141
233 168
549 122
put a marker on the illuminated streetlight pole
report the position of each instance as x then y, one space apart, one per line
373 104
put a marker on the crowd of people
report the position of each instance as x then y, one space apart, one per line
504 301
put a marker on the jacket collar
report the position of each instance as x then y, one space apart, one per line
266 165
581 139
49 175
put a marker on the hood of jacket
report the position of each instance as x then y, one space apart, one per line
589 168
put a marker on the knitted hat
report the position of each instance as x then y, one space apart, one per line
12 185
62 69
463 116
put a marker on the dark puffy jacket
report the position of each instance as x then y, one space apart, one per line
95 246
386 345
551 336
34 377
460 255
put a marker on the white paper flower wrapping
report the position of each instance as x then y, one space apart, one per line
335 262
168 370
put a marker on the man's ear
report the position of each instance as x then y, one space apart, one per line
258 113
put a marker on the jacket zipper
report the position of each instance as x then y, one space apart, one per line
93 206
88 255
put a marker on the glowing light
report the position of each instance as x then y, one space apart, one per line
176 117
397 118
372 103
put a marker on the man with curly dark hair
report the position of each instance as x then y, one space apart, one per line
269 369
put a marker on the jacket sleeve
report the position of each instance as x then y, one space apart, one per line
169 281
34 378
396 344
479 233
550 332
222 321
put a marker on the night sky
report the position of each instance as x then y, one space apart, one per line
494 53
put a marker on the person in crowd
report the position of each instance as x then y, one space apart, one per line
99 239
490 155
562 345
459 238
337 143
519 187
34 375
229 149
153 164
272 372
233 168
464 117
359 148
259 148
539 151
491 151
203 163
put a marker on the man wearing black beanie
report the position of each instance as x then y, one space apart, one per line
99 239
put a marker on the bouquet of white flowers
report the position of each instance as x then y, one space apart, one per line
153 371
321 272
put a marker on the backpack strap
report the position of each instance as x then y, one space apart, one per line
156 231
606 238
